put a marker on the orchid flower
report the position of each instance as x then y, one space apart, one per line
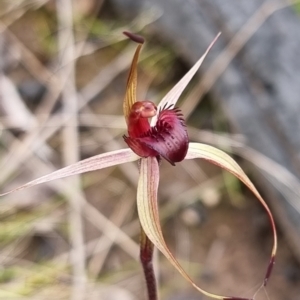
165 137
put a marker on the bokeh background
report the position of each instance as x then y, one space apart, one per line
63 70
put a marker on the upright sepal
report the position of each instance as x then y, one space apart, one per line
130 94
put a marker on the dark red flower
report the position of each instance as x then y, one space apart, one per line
167 137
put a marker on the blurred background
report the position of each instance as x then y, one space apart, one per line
63 71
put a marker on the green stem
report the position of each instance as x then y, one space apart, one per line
146 255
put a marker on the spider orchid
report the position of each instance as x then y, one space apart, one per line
164 137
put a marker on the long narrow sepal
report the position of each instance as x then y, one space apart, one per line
223 160
149 216
173 95
146 257
130 94
93 163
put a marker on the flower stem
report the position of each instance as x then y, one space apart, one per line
146 255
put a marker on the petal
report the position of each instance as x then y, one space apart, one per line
174 94
223 160
168 137
93 163
149 217
130 94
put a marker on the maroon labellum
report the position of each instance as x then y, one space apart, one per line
168 138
